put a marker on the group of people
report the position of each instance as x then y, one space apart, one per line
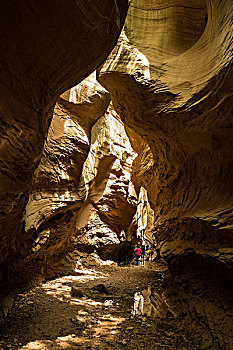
139 253
143 253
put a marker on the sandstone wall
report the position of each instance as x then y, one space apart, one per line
46 48
111 200
169 79
179 120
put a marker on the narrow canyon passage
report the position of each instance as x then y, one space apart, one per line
116 133
72 312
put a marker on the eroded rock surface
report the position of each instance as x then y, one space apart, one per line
46 49
58 188
169 79
179 104
111 203
182 123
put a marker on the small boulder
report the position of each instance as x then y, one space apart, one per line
100 288
76 292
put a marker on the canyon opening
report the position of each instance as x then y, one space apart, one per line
116 174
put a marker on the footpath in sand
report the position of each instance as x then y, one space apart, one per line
78 312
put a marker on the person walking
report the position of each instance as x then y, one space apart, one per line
138 253
149 254
143 248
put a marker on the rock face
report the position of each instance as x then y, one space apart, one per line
46 49
169 80
175 96
178 116
64 210
107 212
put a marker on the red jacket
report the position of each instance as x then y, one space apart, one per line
138 251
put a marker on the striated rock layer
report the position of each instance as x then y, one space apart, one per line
45 49
175 96
81 190
106 214
169 79
187 125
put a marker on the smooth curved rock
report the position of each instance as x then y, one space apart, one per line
162 30
46 48
182 110
185 116
86 103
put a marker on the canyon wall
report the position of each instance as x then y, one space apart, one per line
69 175
80 192
174 94
46 49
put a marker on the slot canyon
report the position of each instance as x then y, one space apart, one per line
116 127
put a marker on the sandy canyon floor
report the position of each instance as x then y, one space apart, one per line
69 313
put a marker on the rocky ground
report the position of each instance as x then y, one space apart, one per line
77 312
